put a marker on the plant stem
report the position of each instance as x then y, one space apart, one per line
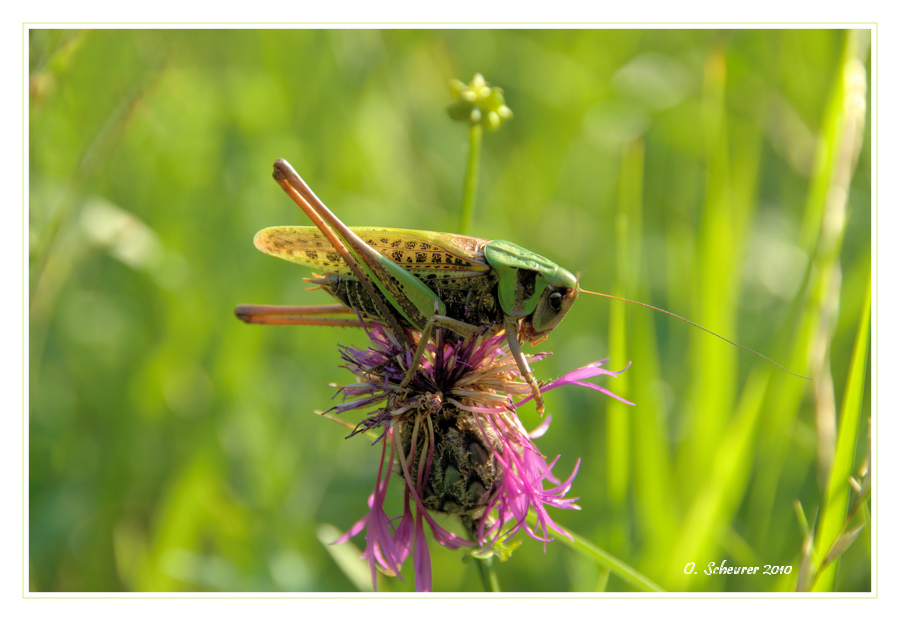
605 559
488 574
470 183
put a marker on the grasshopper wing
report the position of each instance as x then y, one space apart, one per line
442 255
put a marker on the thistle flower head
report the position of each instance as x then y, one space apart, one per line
455 440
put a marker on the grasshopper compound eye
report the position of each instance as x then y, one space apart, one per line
553 305
556 299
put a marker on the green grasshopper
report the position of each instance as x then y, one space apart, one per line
416 279
422 280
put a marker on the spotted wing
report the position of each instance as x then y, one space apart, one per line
421 252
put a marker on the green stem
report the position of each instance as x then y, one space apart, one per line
470 184
488 574
604 559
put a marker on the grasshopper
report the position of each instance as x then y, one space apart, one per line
421 280
416 280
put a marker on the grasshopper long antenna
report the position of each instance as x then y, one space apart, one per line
696 325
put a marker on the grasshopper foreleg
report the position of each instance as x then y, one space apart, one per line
512 338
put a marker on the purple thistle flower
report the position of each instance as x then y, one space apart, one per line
455 440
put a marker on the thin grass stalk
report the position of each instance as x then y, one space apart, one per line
731 179
618 436
712 366
723 488
834 508
817 298
605 560
651 467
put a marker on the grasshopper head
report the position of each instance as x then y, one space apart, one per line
555 301
521 275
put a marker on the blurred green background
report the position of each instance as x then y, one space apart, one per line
709 172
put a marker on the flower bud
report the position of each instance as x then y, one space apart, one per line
478 103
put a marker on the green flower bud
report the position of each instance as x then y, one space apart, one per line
478 103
